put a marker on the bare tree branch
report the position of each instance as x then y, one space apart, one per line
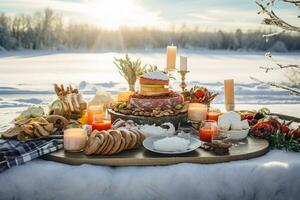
274 20
296 2
293 91
280 66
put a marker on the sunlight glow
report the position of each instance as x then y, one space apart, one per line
276 164
115 13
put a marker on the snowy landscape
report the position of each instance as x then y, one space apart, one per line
91 71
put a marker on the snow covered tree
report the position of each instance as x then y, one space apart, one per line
273 20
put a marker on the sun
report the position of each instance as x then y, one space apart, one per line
111 13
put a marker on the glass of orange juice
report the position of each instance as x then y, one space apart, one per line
92 111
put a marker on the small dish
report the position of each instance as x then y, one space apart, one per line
148 144
237 134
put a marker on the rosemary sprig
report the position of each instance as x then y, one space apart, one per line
283 141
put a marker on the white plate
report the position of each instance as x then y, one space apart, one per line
148 144
237 134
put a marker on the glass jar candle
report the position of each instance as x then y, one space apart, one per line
213 114
207 130
197 112
100 123
74 139
93 110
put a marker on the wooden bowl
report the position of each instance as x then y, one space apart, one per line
175 120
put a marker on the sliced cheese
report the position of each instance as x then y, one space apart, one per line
152 86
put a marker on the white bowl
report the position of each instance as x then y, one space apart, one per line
237 134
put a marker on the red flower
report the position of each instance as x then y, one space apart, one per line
262 129
248 116
284 129
295 133
199 93
252 122
275 123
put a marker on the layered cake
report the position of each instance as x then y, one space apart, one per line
154 92
154 103
154 83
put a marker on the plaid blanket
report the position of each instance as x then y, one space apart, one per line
13 152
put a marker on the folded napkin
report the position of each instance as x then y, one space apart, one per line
13 152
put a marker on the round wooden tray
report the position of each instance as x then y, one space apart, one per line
250 148
175 120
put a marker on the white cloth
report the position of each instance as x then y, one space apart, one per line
272 176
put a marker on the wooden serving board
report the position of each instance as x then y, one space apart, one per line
251 148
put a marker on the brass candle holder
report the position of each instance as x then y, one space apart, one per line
183 84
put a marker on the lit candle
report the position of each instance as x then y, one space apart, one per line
229 94
183 63
197 111
213 116
171 58
208 130
74 139
100 126
123 96
205 134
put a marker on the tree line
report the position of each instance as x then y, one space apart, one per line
47 30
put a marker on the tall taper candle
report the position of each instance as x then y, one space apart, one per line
171 58
229 94
183 63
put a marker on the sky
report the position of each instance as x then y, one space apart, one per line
111 14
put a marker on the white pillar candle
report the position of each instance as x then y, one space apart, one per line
171 57
183 63
197 112
74 139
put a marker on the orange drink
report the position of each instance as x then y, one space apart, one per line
92 111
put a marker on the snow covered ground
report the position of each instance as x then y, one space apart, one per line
273 176
26 77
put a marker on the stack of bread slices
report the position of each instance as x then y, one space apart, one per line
113 141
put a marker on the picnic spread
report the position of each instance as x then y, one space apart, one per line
151 126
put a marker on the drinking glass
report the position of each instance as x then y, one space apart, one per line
93 110
208 130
